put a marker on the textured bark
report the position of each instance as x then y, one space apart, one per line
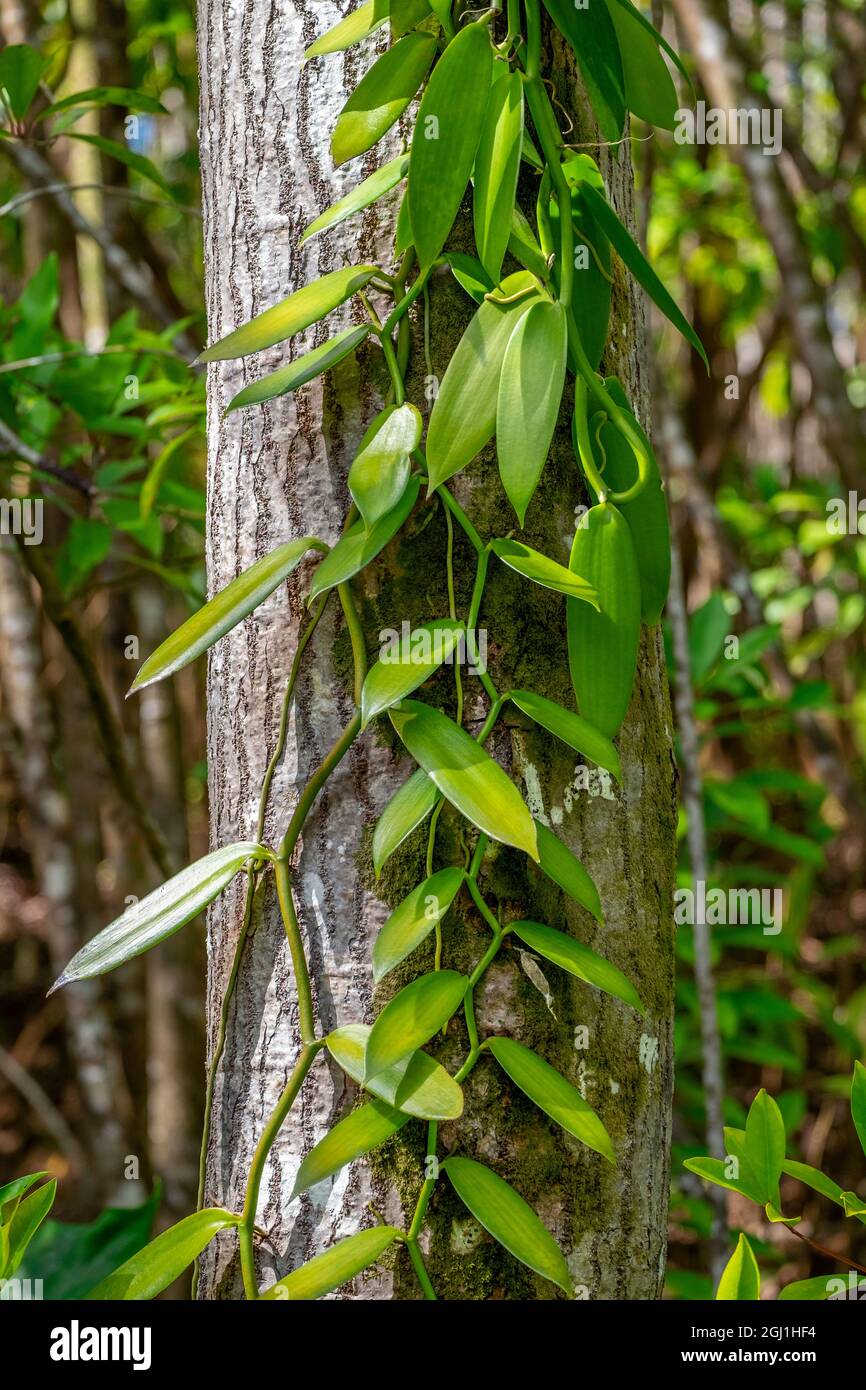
279 472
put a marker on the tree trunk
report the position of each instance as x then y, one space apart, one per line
280 472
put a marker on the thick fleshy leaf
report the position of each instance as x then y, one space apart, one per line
357 25
405 14
367 192
497 165
408 807
530 392
334 1267
364 1129
634 259
593 275
295 374
603 646
164 1259
447 132
858 1102
542 570
380 469
359 546
223 612
645 515
470 273
416 656
414 918
660 39
715 1170
412 1018
741 1279
463 418
466 774
307 305
577 732
552 1093
158 915
578 960
560 864
417 1084
764 1147
382 96
589 29
524 247
508 1218
649 89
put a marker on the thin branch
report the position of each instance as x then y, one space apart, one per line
113 190
16 445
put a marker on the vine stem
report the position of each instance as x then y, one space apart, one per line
246 1230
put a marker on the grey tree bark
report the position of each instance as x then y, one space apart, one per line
277 473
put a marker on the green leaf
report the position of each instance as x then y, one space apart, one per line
646 515
578 960
741 1280
765 1146
603 646
773 1215
145 168
224 611
524 247
463 418
380 469
447 133
497 165
416 1084
157 471
858 1102
510 1220
649 88
161 1262
30 1212
591 34
12 1192
552 1094
108 96
414 918
358 546
364 1129
813 1178
397 673
812 1290
470 274
412 1018
466 774
660 39
380 182
21 69
544 571
408 807
303 369
713 1170
382 96
565 869
333 1267
530 392
307 305
852 1205
709 625
357 25
159 915
632 257
71 1258
405 14
577 732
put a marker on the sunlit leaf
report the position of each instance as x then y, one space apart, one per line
530 392
497 164
408 807
414 918
307 305
412 1018
382 96
362 1130
563 866
552 1093
397 673
577 732
334 1267
303 369
358 546
741 1280
416 1084
578 960
150 1271
544 571
380 469
380 182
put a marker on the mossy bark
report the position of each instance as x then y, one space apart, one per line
278 472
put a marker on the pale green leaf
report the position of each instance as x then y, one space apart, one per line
466 774
161 913
508 1218
578 960
333 1267
382 96
497 165
357 25
530 392
741 1280
380 469
552 1093
223 612
408 807
303 369
364 1129
765 1146
400 671
307 305
412 1018
358 546
414 918
164 1259
572 728
417 1084
380 182
544 571
563 866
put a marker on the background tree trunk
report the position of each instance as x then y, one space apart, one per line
279 472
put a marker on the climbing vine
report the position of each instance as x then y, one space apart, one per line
542 294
